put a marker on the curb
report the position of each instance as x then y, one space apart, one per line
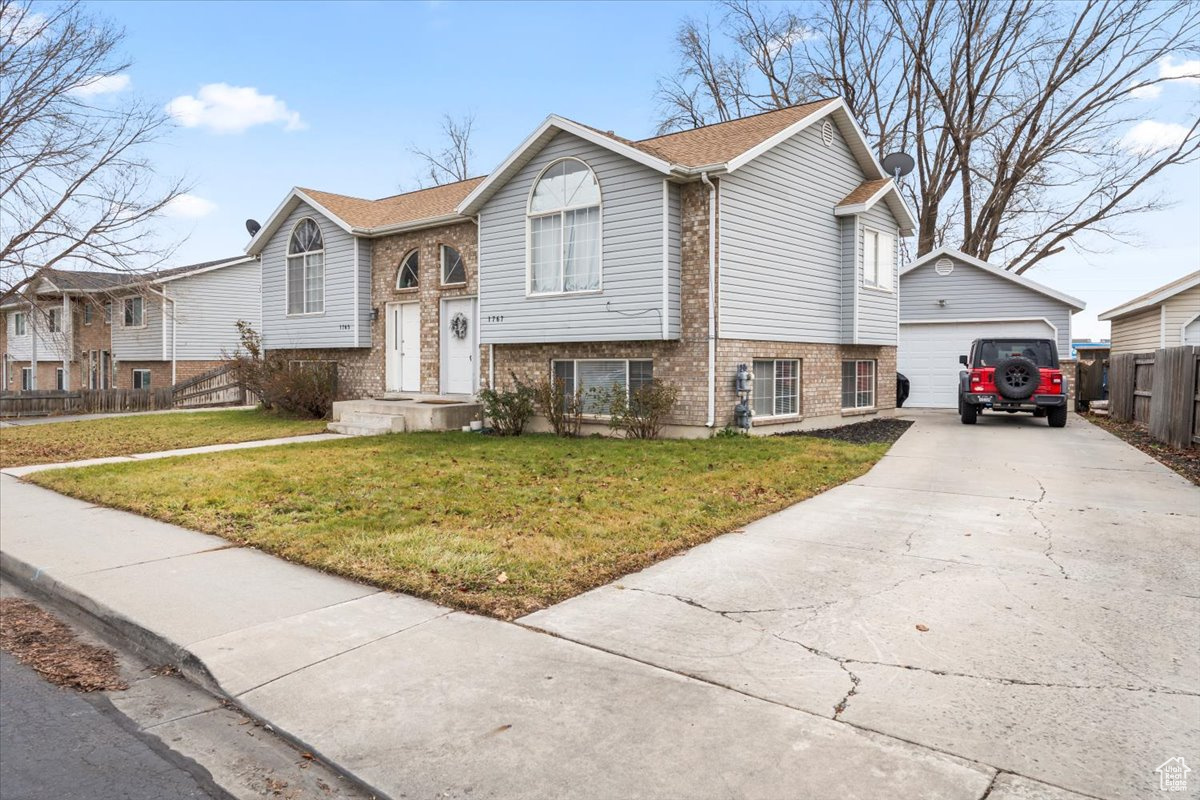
157 648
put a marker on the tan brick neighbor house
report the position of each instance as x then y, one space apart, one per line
101 330
594 258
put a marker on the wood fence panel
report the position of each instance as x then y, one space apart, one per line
1196 397
1143 386
1120 386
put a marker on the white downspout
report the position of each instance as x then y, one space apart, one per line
68 340
31 323
712 304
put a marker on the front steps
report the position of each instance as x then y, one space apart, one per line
408 412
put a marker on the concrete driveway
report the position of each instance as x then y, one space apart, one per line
1018 596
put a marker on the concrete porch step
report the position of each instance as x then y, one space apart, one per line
361 428
420 413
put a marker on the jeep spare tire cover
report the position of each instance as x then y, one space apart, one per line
1017 378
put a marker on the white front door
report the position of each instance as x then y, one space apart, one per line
404 347
458 346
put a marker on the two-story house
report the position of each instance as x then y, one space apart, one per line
101 330
769 241
385 289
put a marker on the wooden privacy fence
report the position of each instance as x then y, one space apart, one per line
218 387
1160 390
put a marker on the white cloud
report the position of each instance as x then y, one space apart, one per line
17 24
1147 92
222 108
1149 137
102 84
1186 71
189 206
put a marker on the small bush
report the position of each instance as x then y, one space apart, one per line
508 410
562 409
305 388
641 412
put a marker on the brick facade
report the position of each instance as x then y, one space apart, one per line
362 371
684 363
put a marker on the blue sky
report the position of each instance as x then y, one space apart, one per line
355 84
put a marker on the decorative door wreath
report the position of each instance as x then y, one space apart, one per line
458 325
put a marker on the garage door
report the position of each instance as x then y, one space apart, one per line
928 355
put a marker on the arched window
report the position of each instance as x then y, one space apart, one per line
564 229
306 269
409 276
453 269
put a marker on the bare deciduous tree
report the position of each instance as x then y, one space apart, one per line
1025 117
75 186
453 161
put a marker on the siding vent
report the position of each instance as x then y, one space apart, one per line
943 266
827 133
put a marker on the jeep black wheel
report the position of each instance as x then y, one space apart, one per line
1057 417
1017 378
969 412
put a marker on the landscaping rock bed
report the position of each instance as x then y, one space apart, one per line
877 431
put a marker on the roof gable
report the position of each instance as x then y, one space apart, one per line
1021 280
868 193
1154 297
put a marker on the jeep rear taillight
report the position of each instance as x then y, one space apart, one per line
981 380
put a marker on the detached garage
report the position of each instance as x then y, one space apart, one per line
948 298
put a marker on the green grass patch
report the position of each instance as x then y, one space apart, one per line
498 526
122 436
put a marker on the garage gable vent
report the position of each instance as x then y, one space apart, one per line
943 266
827 133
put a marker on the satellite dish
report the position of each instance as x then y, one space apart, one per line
253 227
898 165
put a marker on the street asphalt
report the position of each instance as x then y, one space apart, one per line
57 744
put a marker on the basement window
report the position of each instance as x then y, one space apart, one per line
858 384
141 379
595 377
776 387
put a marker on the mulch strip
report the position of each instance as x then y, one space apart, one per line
876 431
1185 462
41 641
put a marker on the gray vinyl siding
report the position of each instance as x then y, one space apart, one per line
335 327
207 308
1138 333
629 305
781 247
876 307
674 231
849 238
972 293
145 343
50 346
363 319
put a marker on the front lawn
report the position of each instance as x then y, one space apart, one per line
499 526
121 436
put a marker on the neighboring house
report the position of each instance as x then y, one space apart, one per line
386 289
1087 350
768 241
948 299
178 323
58 334
1169 316
102 330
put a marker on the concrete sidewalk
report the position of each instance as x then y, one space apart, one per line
416 700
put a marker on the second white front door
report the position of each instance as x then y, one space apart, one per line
458 346
404 347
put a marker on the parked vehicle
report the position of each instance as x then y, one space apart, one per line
902 387
1012 375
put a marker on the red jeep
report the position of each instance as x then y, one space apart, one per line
1013 375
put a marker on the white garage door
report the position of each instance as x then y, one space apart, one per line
928 355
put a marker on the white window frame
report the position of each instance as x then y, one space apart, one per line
874 384
26 379
775 396
54 320
20 324
414 253
561 212
141 306
442 248
146 383
87 313
60 379
575 362
876 274
108 309
287 273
